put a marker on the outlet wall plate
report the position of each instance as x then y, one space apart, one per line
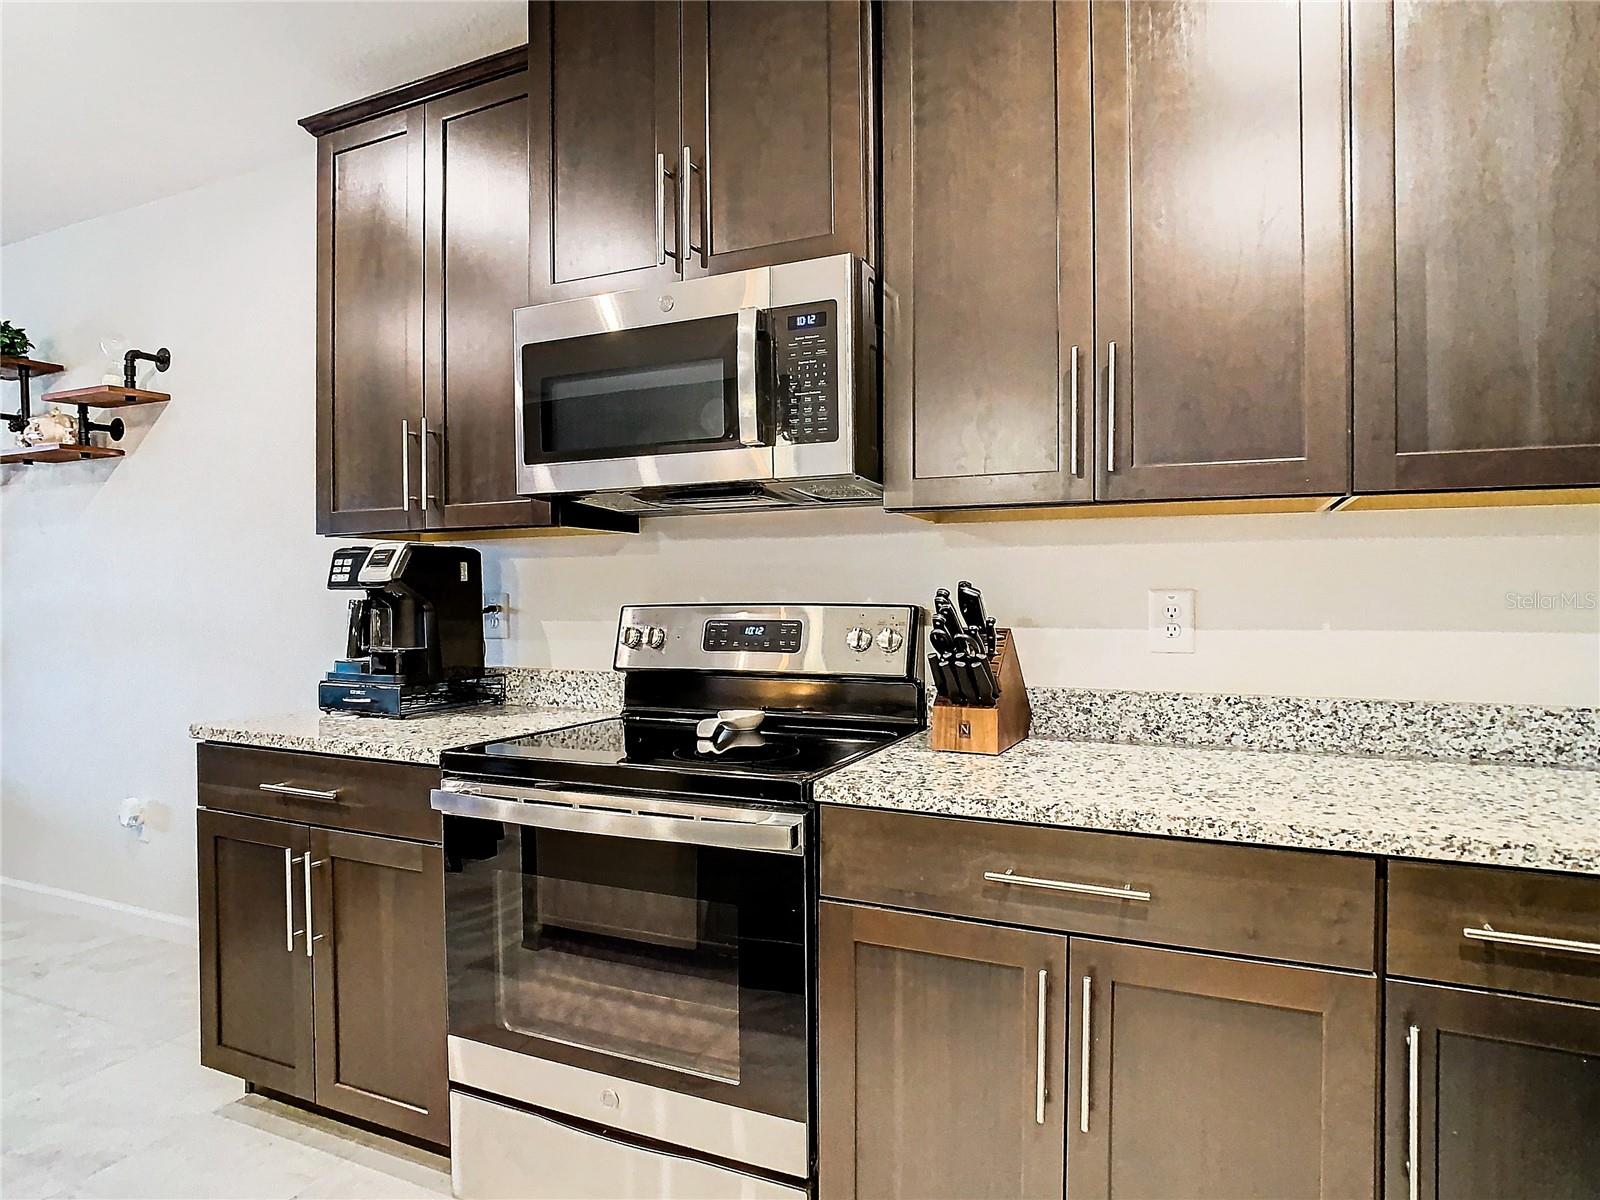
496 616
1171 621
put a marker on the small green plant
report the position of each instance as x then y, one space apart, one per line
14 341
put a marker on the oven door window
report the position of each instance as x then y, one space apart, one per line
677 966
661 389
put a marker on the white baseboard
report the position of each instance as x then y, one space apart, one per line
125 916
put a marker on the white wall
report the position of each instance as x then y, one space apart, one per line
185 582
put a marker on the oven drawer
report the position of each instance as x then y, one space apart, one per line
1285 904
498 1152
359 795
1511 930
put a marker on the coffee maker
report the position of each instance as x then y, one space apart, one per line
415 640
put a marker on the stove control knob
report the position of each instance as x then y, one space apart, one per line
858 639
890 640
632 636
657 637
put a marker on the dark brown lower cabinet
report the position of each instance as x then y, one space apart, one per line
942 1066
1500 1101
1214 1078
379 993
255 978
322 962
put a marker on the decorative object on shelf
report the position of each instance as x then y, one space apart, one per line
79 443
14 342
981 705
53 427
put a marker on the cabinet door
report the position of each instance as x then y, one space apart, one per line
777 96
255 978
1477 251
477 272
369 325
1502 1100
377 917
941 1060
1219 1079
1222 255
988 254
604 139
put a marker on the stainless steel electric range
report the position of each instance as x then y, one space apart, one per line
630 908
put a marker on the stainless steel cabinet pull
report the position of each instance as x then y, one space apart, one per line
1126 892
289 931
745 361
1072 388
405 464
1531 941
422 445
1413 1120
1038 1078
1083 1066
686 170
661 207
303 793
1111 407
307 863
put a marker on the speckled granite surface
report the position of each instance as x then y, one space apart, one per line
1511 733
549 687
1506 815
414 740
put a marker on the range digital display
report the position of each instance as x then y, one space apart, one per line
810 320
768 637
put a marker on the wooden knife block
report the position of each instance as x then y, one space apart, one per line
969 729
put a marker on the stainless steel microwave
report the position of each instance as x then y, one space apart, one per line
755 389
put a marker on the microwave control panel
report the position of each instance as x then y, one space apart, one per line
805 343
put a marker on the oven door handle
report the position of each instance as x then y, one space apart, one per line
736 829
745 349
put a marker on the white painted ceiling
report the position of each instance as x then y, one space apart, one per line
107 105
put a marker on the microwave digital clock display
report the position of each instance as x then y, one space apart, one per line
808 320
770 637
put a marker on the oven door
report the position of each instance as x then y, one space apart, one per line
641 965
645 389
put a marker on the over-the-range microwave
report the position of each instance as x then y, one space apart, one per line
754 389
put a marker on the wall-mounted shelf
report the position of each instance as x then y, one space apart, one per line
106 396
14 366
58 452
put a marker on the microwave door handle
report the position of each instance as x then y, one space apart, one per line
745 356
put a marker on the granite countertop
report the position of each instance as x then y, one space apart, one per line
412 740
1541 817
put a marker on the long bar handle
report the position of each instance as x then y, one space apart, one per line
1126 892
686 170
289 931
1038 1072
1083 1050
303 793
422 446
1111 407
1413 1118
405 464
1532 941
661 207
308 863
745 361
1073 451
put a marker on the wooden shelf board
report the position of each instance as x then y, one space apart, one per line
57 452
12 366
105 395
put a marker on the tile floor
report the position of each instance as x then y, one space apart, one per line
102 1092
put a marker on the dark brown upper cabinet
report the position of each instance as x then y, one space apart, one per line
1222 276
941 1058
423 251
1477 245
777 131
988 254
1201 1078
1489 1097
605 140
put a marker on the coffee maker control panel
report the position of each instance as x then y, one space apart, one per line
384 564
345 570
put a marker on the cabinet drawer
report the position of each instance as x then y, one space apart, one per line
1515 917
342 793
1285 904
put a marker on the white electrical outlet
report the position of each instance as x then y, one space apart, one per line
497 615
1172 620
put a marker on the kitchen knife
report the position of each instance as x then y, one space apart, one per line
969 603
957 689
943 606
976 665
